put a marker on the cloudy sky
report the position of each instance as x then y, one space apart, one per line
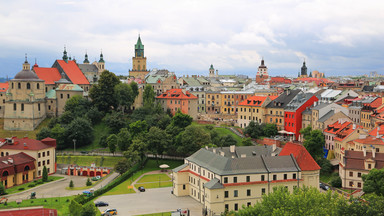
343 37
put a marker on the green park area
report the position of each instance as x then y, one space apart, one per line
100 161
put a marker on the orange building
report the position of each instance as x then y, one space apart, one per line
179 99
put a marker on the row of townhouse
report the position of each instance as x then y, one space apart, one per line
231 177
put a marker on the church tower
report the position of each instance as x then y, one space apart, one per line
304 70
139 62
211 71
101 64
262 72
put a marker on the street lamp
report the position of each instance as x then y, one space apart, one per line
74 146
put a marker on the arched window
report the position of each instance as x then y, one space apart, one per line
12 86
19 85
26 168
5 173
38 86
28 86
2 154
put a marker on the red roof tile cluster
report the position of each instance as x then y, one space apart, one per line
4 87
379 129
375 104
316 80
337 127
18 143
370 140
49 75
177 94
73 72
10 161
280 80
256 101
302 156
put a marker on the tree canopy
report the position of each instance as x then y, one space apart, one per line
314 144
374 182
148 96
102 94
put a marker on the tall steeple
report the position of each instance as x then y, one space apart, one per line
101 57
65 57
304 70
86 61
139 48
26 65
310 74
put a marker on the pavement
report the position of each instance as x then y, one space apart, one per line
57 188
154 200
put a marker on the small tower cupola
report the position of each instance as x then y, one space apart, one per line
101 58
65 56
304 70
139 48
26 65
211 71
86 61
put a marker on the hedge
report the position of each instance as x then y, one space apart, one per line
82 199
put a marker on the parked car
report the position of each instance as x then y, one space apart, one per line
141 189
96 178
111 211
324 186
101 203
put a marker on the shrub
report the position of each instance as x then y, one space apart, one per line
336 182
6 203
31 201
88 183
67 200
71 185
45 174
45 200
55 200
20 189
31 185
40 182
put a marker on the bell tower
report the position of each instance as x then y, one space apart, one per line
139 62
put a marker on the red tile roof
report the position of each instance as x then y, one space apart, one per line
374 131
177 94
370 140
73 72
302 156
255 101
18 143
336 127
3 87
356 159
16 159
49 75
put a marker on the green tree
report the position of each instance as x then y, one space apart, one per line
336 181
314 144
89 210
102 94
124 96
302 201
148 96
77 105
112 142
138 128
140 146
43 133
88 183
254 130
306 132
246 141
135 89
66 118
227 140
58 132
71 185
103 141
215 137
2 189
326 166
122 166
374 182
270 130
157 140
192 139
115 121
75 208
178 123
45 174
94 115
80 130
124 139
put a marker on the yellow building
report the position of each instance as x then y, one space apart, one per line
42 151
209 176
253 109
139 62
16 169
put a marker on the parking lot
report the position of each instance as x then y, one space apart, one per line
152 201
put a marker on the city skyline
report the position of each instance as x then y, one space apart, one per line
337 38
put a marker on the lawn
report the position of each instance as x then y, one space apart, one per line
17 189
151 165
59 203
157 214
154 178
221 131
325 178
21 134
155 184
108 161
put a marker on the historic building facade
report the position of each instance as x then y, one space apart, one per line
139 62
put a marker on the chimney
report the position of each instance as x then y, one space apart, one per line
373 152
364 151
10 160
243 155
354 126
232 148
222 153
25 146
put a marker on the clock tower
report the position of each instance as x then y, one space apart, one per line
139 62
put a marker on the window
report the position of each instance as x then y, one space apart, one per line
43 154
226 194
39 164
274 177
38 155
183 186
351 184
351 174
294 175
47 162
14 107
226 207
234 179
22 107
38 86
359 184
369 166
48 170
248 204
43 163
38 107
19 85
39 173
262 178
225 180
285 176
236 206
249 192
61 96
248 178
358 174
235 193
262 191
28 86
67 95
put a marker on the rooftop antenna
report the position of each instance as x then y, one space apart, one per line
26 58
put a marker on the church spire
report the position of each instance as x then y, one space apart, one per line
26 65
65 57
101 57
304 69
139 48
